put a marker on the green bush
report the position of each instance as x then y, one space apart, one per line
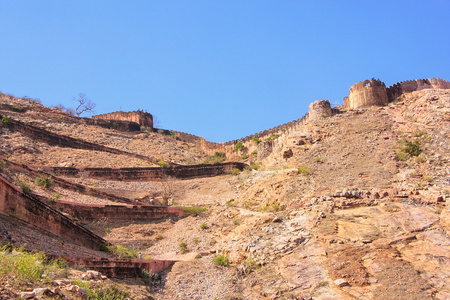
304 170
256 140
121 251
238 146
412 148
221 260
235 171
204 226
250 265
183 247
55 197
6 120
254 166
193 210
27 267
163 164
25 188
272 137
2 164
218 157
245 156
401 155
44 182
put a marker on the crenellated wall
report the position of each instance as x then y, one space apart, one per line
14 203
367 93
144 119
409 86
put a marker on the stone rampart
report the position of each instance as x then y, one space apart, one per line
14 203
367 93
144 119
120 268
113 124
148 174
319 109
90 212
396 90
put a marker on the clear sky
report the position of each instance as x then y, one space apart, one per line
218 69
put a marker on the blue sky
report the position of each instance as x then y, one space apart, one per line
218 69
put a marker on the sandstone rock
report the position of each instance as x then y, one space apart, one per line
27 295
40 291
341 282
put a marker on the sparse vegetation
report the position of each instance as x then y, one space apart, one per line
107 230
221 260
304 170
203 226
235 171
55 197
25 188
121 251
239 145
318 159
250 265
218 157
163 164
256 140
272 137
193 210
6 120
44 181
183 247
101 292
2 165
22 267
245 156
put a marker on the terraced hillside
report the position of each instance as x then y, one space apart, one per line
350 205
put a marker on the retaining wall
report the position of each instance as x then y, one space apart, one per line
148 174
120 268
66 184
65 141
14 203
90 212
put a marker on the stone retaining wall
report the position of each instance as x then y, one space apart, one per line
91 212
120 268
148 174
14 203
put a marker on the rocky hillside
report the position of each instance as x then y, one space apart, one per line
347 206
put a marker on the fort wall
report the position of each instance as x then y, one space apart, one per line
367 93
409 86
144 119
14 203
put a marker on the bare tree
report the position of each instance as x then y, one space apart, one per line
84 105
